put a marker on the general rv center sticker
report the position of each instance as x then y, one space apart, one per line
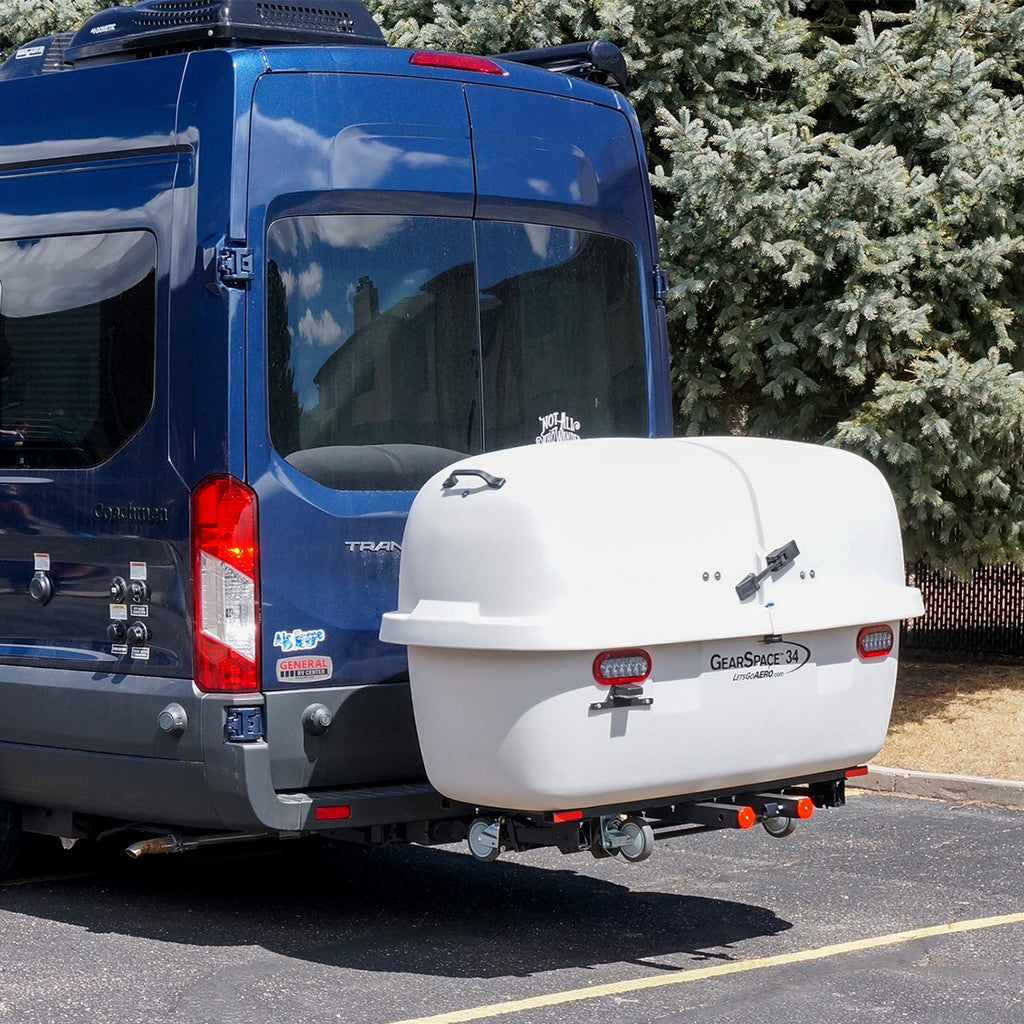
308 668
771 661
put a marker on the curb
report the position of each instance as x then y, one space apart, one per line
964 788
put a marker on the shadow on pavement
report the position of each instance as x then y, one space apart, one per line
403 909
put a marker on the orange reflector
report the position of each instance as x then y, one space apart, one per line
746 818
804 807
566 816
332 813
854 772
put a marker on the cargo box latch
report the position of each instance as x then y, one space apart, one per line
776 561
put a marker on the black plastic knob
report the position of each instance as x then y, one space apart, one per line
138 633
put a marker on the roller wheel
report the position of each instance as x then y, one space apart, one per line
641 840
780 826
478 845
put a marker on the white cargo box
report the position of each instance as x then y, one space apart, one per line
512 586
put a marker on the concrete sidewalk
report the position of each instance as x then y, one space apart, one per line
963 788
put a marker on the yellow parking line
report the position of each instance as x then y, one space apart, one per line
618 988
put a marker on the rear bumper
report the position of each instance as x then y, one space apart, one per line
91 743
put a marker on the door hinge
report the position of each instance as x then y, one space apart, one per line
660 285
235 265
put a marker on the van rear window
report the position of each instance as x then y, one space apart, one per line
76 346
397 345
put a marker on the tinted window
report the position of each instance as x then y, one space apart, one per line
399 344
76 346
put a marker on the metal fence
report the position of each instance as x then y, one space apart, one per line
980 616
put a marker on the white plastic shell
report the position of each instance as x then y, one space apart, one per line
508 593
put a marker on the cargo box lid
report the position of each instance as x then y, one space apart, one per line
620 541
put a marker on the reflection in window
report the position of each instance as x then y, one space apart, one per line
397 345
76 346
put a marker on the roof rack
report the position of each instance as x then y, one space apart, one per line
155 27
597 61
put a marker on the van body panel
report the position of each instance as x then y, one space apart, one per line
114 515
372 737
323 133
586 173
53 120
227 150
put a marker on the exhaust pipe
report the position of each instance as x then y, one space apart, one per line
176 844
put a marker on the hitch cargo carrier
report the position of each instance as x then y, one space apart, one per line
264 279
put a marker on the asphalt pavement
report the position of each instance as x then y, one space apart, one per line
887 911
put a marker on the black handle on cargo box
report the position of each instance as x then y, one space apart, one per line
492 481
777 560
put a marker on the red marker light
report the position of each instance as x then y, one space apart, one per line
336 813
455 62
560 816
746 818
852 773
804 807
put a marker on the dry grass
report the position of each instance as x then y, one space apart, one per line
960 718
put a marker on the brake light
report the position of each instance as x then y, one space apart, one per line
455 62
613 667
225 581
875 641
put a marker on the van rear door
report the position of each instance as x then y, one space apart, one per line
392 333
338 165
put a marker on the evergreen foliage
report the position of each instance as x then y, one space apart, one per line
840 191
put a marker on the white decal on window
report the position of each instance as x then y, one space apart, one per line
558 426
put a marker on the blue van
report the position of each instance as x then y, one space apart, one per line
261 276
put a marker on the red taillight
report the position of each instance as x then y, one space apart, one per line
853 773
455 62
225 586
612 667
875 641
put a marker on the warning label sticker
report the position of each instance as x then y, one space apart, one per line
304 669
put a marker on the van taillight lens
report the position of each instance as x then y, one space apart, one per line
612 667
455 62
875 641
225 579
